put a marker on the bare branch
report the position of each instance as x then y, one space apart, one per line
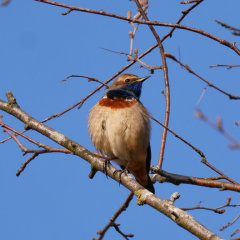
153 23
112 223
182 139
218 126
67 12
186 67
230 223
26 150
191 1
203 92
235 31
21 134
79 103
219 210
136 59
182 218
135 27
204 161
181 179
26 163
225 65
88 78
237 231
5 2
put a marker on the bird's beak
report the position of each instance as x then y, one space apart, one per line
142 79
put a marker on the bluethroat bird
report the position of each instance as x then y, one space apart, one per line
119 127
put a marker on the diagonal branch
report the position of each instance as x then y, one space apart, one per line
26 150
186 67
183 219
153 23
112 223
80 103
230 223
235 31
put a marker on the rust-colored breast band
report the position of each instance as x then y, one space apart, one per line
117 103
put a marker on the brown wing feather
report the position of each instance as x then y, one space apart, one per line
149 186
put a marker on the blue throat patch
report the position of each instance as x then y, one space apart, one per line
128 92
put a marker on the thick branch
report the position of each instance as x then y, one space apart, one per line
183 219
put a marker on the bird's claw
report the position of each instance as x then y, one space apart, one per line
120 173
106 165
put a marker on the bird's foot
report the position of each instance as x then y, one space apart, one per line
99 155
106 165
125 171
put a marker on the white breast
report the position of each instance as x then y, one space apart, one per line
122 133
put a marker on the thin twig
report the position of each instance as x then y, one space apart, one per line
225 65
80 103
153 23
235 232
125 67
26 163
218 126
204 161
5 2
229 224
166 81
186 67
191 1
235 31
47 147
35 152
26 150
203 92
67 12
182 139
135 58
132 34
88 78
112 223
126 236
22 135
219 209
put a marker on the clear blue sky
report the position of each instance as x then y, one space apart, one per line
54 198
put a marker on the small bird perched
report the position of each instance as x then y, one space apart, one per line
119 127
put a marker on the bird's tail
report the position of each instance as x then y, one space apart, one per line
150 186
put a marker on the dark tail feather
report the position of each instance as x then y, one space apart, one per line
150 186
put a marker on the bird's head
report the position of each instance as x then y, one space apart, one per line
128 82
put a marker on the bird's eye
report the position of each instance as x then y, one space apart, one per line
127 80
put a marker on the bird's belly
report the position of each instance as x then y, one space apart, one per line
121 133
